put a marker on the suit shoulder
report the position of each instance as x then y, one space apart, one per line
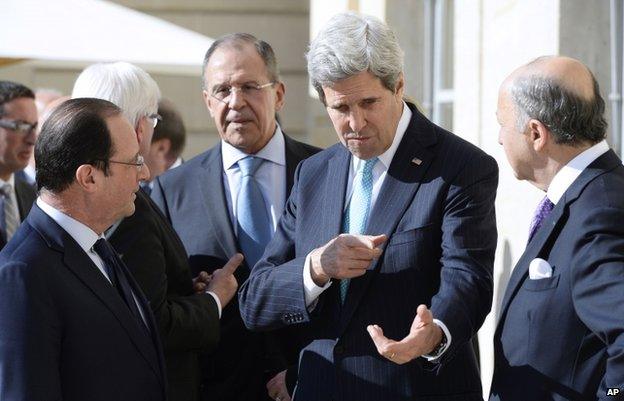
606 189
458 151
301 148
26 248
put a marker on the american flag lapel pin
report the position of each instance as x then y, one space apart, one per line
417 161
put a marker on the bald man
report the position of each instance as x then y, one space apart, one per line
560 335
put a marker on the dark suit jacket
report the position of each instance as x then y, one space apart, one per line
192 197
66 333
188 322
562 338
26 195
438 215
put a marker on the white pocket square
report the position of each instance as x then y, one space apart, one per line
539 268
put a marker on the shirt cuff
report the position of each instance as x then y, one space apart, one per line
311 290
216 298
447 333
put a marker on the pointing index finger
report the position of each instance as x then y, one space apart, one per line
233 263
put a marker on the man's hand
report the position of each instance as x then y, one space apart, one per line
276 387
200 283
424 337
345 256
223 283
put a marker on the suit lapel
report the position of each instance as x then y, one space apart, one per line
396 194
553 225
77 261
210 182
334 199
292 160
532 251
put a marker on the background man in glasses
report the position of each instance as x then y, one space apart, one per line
230 198
18 122
188 322
74 323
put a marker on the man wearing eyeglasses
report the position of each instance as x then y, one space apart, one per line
75 325
230 198
18 121
149 246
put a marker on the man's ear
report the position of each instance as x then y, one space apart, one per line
280 93
539 135
161 147
209 102
141 132
88 177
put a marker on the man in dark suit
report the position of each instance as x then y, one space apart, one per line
75 325
229 199
188 322
18 123
388 229
560 334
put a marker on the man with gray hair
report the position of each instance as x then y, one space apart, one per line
151 249
560 334
392 228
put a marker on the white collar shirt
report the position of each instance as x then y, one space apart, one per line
570 172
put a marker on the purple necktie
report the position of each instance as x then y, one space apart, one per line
541 212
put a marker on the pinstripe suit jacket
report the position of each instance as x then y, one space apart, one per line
439 218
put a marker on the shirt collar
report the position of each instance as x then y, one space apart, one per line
566 176
272 151
386 157
10 181
83 235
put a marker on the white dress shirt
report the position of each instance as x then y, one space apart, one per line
85 237
570 172
271 176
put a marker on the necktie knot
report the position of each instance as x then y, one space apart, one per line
249 165
368 166
103 249
6 189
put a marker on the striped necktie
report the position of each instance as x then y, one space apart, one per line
11 215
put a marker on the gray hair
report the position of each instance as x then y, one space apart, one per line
351 43
571 118
236 40
124 84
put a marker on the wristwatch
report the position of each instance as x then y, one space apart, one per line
437 351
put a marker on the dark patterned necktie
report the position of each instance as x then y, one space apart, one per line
117 271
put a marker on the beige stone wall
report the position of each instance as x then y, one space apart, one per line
283 23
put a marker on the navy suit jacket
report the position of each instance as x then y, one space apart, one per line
562 338
192 197
438 214
66 334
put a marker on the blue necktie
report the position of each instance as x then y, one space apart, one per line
356 215
254 224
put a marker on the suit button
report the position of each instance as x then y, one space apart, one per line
339 349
